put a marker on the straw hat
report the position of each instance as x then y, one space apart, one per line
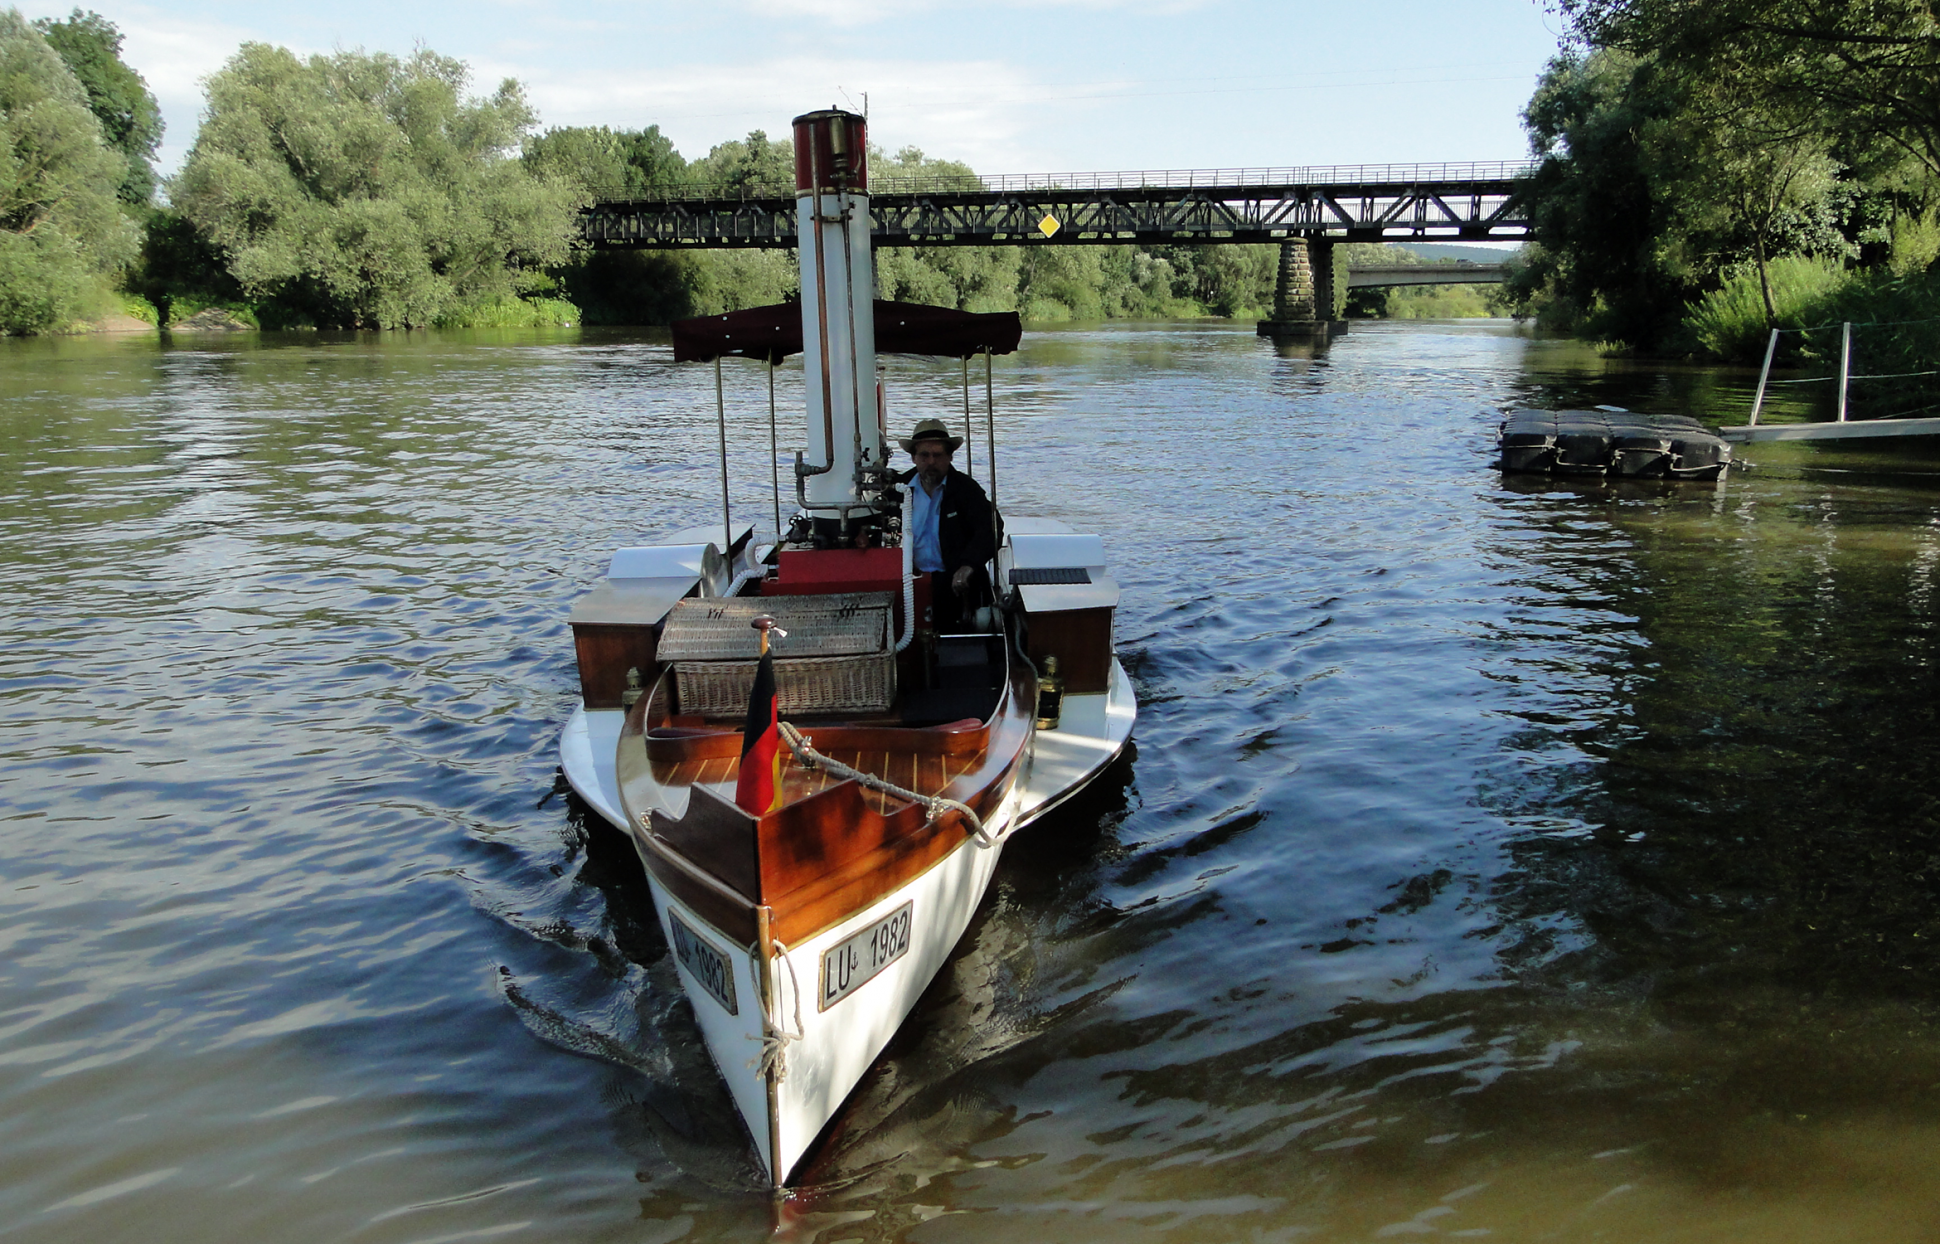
931 430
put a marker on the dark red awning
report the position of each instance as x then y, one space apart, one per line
774 333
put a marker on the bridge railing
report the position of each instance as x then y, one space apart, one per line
1141 179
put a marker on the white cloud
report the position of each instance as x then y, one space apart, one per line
872 12
987 113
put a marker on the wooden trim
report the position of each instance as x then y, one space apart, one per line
673 744
666 747
605 651
833 896
733 919
717 837
823 858
1081 641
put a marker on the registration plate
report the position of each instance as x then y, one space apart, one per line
705 962
855 961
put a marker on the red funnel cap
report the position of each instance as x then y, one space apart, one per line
831 152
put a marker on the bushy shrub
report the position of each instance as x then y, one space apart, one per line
62 232
1729 322
362 190
513 313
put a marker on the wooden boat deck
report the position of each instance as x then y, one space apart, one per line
833 845
927 775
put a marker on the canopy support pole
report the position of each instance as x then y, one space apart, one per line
969 440
720 415
774 449
990 424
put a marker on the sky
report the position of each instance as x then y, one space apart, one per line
1009 86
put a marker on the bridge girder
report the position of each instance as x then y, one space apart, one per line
1455 209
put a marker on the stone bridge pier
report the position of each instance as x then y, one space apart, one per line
1304 292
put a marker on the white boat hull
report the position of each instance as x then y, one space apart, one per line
824 1052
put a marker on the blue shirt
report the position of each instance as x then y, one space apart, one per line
925 511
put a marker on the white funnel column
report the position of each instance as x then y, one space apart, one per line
838 305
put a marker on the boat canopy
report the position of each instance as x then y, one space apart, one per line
775 332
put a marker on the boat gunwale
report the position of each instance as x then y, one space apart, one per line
822 901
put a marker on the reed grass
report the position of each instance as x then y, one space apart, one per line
1729 323
513 313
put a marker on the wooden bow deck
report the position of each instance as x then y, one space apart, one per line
833 847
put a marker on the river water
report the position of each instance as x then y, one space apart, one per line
1494 859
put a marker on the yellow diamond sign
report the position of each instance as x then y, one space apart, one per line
1048 226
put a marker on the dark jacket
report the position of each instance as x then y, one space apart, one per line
967 526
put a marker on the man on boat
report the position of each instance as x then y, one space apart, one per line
952 522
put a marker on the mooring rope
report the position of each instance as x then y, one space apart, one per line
935 805
774 1038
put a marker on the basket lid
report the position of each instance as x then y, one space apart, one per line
717 628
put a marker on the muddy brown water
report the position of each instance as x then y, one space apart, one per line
1495 860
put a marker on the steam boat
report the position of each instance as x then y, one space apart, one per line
806 927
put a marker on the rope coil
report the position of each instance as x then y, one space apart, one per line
935 805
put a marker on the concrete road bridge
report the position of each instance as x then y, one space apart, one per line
1461 272
1305 210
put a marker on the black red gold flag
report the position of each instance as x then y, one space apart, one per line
758 790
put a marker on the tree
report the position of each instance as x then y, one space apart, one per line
1758 172
1872 65
366 191
131 121
609 164
754 165
1605 256
61 231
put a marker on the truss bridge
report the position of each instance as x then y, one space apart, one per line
1305 210
1343 203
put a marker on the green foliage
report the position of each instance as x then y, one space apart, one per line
1735 320
1225 280
185 308
1441 302
1915 242
512 313
755 165
1602 262
136 307
604 163
62 233
1691 147
732 280
361 190
179 265
131 121
632 287
1868 68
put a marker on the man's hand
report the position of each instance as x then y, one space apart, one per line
960 581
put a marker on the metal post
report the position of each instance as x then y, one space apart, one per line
1758 400
1845 365
969 441
990 425
774 449
720 415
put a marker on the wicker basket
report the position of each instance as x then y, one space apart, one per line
849 684
717 628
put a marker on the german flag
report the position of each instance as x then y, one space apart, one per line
758 790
